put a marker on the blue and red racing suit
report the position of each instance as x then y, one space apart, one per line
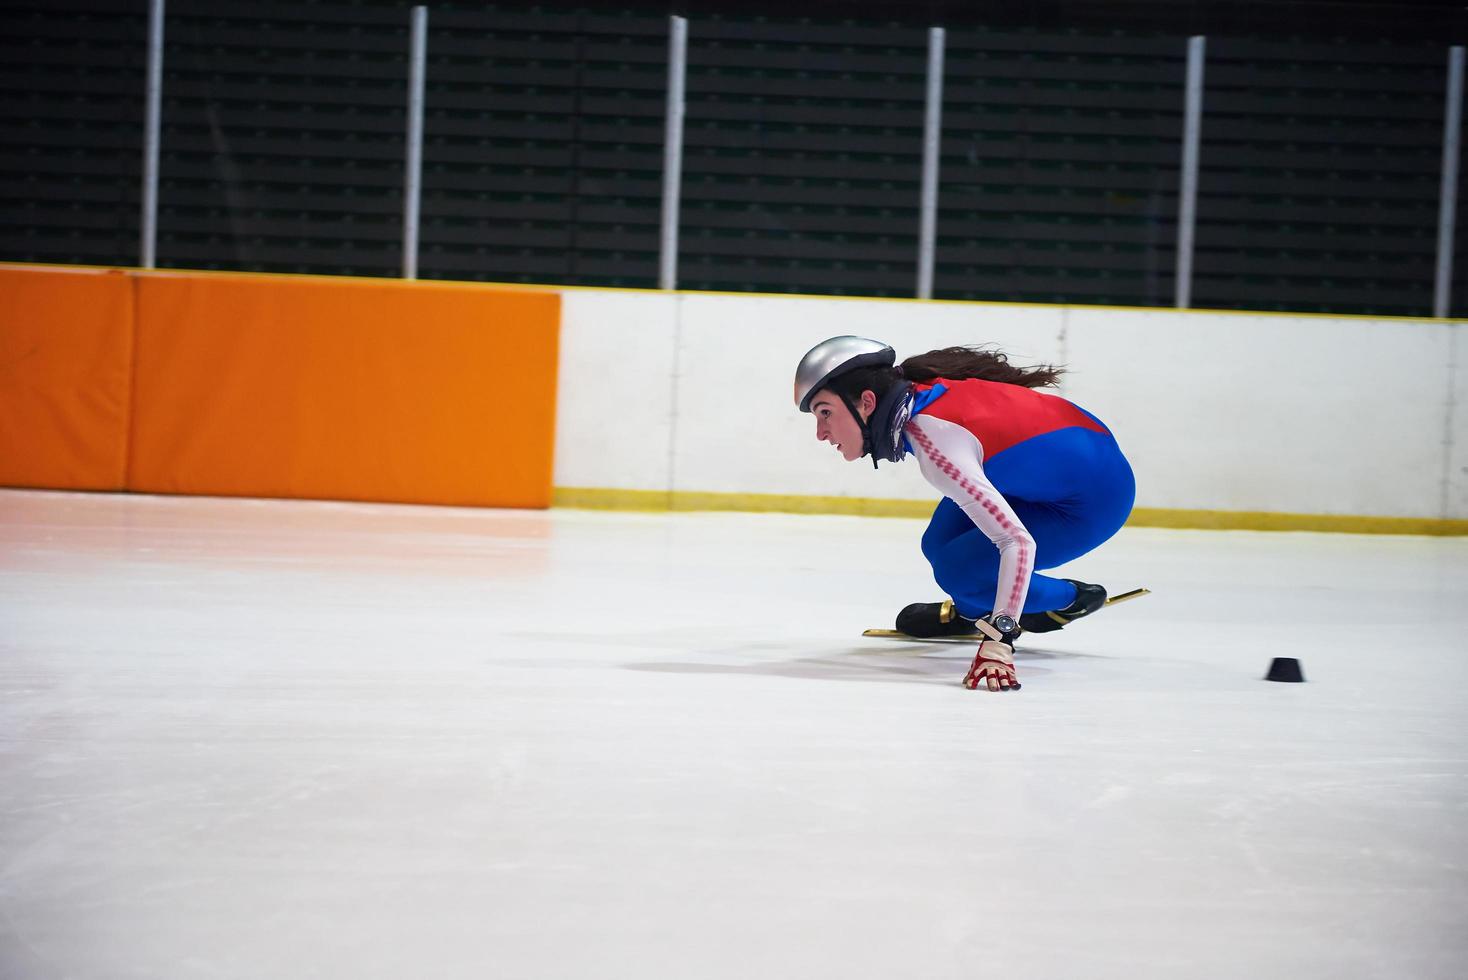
1030 481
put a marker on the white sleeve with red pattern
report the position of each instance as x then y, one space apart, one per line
953 461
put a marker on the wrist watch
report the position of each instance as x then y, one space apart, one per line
1002 628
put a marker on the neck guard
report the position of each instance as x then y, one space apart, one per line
883 431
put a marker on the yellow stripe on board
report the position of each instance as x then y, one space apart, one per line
1243 520
594 498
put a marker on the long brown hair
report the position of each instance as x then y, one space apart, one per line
952 363
981 363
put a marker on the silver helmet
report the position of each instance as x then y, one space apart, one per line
830 358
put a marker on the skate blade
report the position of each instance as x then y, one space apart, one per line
976 637
899 635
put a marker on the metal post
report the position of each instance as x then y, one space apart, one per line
1448 196
413 175
932 138
1187 204
673 151
152 137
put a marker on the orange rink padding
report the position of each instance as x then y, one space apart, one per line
344 389
66 340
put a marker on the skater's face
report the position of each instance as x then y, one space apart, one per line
835 423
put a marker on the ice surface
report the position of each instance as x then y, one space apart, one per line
269 739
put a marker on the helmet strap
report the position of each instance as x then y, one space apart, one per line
866 429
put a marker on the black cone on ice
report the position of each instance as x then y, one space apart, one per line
1285 669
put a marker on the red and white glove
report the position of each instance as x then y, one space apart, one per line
994 666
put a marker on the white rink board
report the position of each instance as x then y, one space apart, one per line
737 428
1217 411
614 404
1289 414
1455 464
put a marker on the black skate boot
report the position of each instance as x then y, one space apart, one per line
1088 599
925 619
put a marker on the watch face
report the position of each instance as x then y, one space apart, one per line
1005 624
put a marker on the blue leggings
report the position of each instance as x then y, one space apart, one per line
1072 489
